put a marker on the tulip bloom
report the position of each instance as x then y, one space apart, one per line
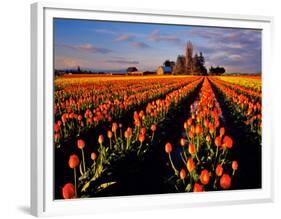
93 156
204 177
225 181
68 191
219 170
182 142
191 149
168 148
234 166
197 188
153 128
227 142
182 174
109 134
100 139
222 131
73 161
190 165
80 143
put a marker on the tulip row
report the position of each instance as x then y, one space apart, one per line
249 92
250 82
246 107
203 162
82 113
120 142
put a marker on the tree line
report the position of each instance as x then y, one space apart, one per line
190 64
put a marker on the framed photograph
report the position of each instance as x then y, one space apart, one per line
136 109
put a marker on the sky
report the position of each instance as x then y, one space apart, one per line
114 46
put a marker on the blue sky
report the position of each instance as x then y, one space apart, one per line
103 45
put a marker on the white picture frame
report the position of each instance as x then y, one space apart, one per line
42 203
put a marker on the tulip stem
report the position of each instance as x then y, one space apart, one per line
174 168
152 136
84 166
110 142
75 186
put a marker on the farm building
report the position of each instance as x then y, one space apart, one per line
161 70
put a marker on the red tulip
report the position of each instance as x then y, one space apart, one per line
197 188
219 170
225 181
168 148
56 128
73 161
218 141
143 131
68 191
227 142
80 143
204 177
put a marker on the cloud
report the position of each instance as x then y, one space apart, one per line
87 48
63 62
125 38
105 31
140 45
157 37
123 62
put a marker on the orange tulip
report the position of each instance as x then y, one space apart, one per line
218 141
182 142
109 134
182 174
93 156
168 148
204 177
141 138
191 148
219 170
114 127
190 165
100 139
73 161
234 165
222 131
153 127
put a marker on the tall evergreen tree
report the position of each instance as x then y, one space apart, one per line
189 58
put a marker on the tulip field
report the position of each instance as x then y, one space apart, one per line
133 135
